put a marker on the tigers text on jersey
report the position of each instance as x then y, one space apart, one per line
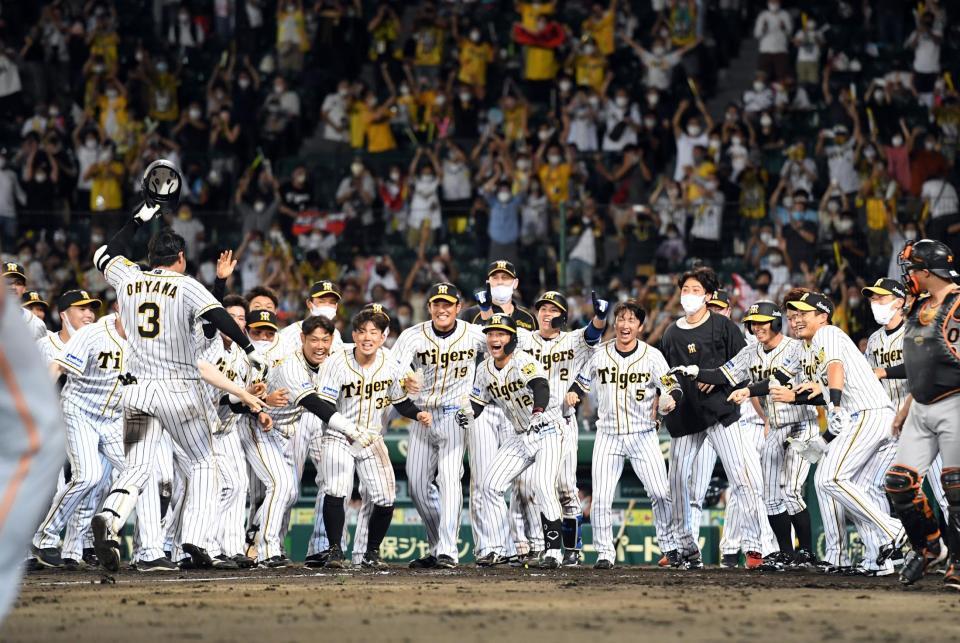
861 388
561 357
50 347
361 394
626 386
94 358
300 379
885 350
448 363
756 364
507 387
159 310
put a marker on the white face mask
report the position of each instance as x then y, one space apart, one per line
766 121
653 99
565 85
758 85
324 310
501 294
692 304
622 101
693 130
883 313
553 159
897 140
67 325
736 140
503 196
195 113
767 239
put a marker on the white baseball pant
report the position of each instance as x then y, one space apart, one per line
228 533
734 515
643 451
483 442
270 461
871 479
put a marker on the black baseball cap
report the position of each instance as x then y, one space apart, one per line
502 265
886 287
812 301
32 297
501 321
324 287
443 291
552 297
11 269
719 298
262 319
378 308
77 298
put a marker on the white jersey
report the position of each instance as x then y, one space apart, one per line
34 324
756 364
50 347
300 379
626 386
232 364
273 351
290 338
861 388
561 357
885 350
93 359
361 394
508 388
159 310
449 363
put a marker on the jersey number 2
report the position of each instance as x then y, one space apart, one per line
150 320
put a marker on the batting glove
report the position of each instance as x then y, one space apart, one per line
483 298
600 306
257 362
464 419
837 421
367 438
810 450
145 214
691 371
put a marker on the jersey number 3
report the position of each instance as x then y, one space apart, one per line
149 326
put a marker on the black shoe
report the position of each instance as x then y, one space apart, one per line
693 562
427 562
201 559
90 557
773 562
803 559
73 565
335 559
670 558
186 564
571 558
225 562
522 560
276 562
891 548
105 543
446 562
156 565
491 559
838 570
544 562
371 560
243 562
603 563
730 561
315 561
917 564
48 557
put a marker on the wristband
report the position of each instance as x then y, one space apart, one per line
537 410
835 395
827 436
234 399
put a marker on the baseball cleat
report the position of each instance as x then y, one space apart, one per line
106 544
335 559
446 562
371 560
48 557
185 564
73 565
427 562
774 562
225 562
547 562
693 562
521 560
730 561
156 565
243 562
571 558
491 559
276 562
951 579
802 559
916 564
201 559
90 557
861 570
316 560
888 550
754 560
603 563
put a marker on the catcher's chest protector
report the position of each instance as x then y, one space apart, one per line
931 350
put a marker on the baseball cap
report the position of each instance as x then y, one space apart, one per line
378 308
11 269
812 301
321 288
262 319
720 298
886 287
552 297
443 291
33 297
77 298
502 265
501 321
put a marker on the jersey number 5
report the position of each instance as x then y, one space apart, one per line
149 326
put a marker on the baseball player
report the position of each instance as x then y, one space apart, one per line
16 278
446 349
859 416
32 437
774 361
562 355
930 354
77 309
707 340
35 303
632 383
160 308
357 386
490 429
517 383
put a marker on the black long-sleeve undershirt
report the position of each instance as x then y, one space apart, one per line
220 319
325 410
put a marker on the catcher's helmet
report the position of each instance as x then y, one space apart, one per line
506 323
926 254
762 312
558 300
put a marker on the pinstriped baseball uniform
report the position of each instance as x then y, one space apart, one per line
35 325
541 451
435 453
93 360
50 346
870 413
160 310
627 385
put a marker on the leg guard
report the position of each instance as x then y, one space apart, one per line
951 487
551 533
569 531
902 485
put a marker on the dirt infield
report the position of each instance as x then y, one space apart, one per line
472 605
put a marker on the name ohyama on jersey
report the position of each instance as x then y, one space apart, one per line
434 357
151 287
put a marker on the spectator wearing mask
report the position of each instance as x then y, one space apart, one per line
503 227
689 136
926 162
425 214
393 191
10 195
799 171
185 35
925 42
540 42
798 228
257 200
773 28
940 201
191 230
192 133
556 173
456 188
707 212
599 25
622 122
583 253
112 109
162 94
841 150
466 114
759 98
808 41
897 155
296 196
659 61
580 119
377 120
333 114
474 56
355 195
292 41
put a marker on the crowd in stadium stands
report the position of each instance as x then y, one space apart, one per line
391 144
